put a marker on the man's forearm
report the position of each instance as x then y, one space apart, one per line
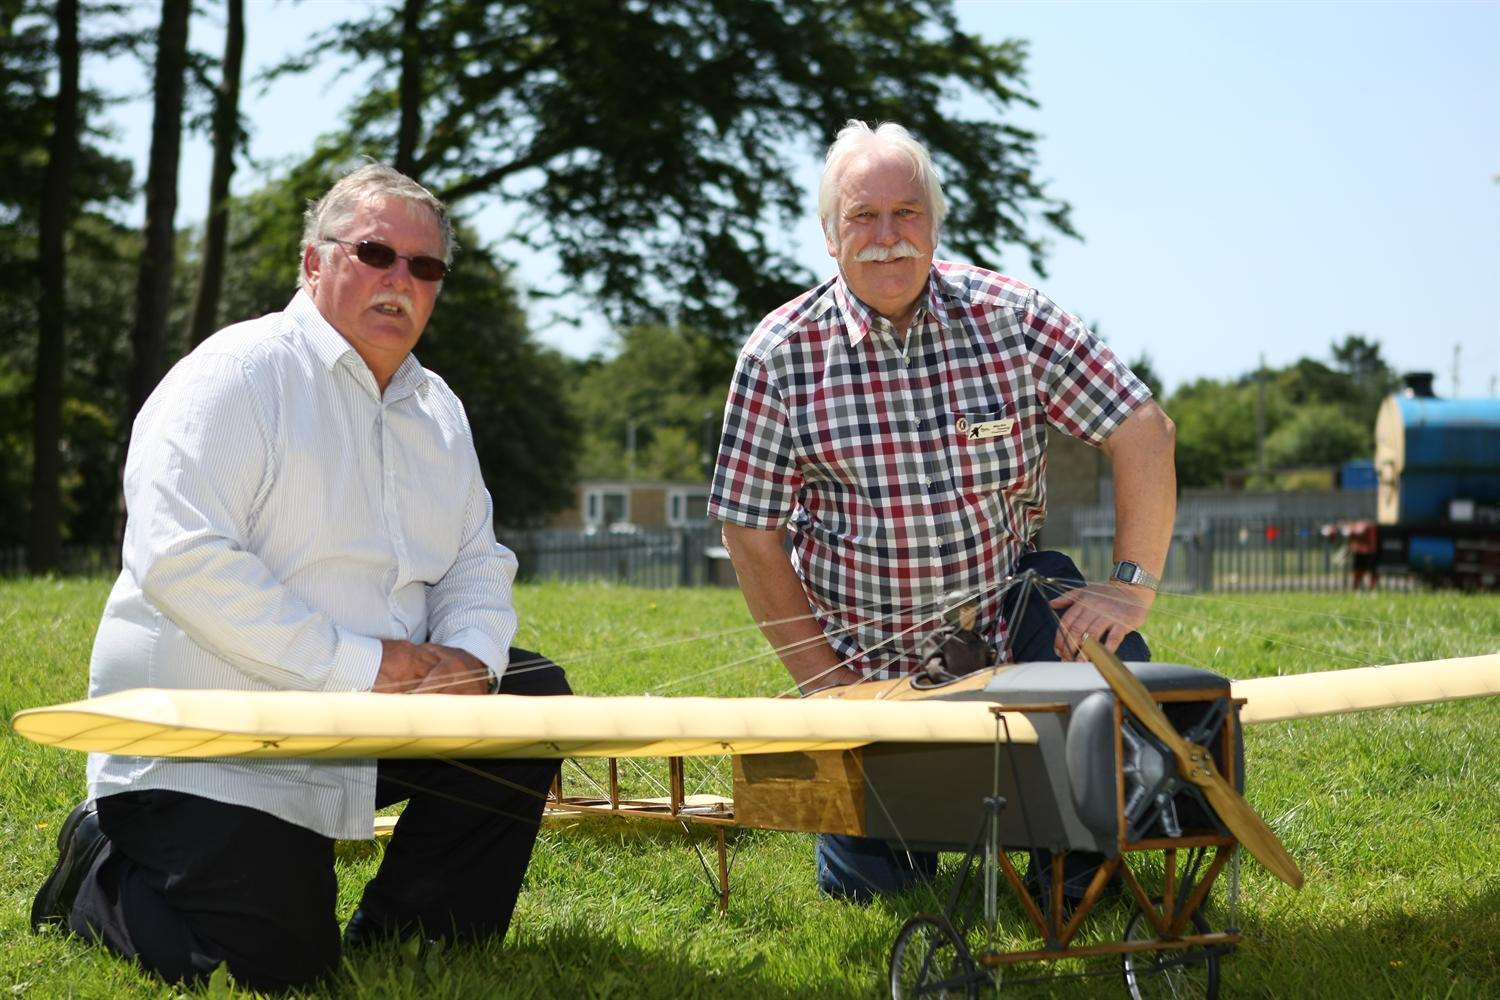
1142 453
779 605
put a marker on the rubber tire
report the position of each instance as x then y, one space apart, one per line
942 938
1208 990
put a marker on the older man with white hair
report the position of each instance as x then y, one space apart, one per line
893 421
306 512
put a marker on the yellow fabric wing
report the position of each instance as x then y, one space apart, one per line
1302 696
184 723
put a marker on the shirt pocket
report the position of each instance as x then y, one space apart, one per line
984 447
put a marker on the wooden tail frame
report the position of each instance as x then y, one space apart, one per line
1183 892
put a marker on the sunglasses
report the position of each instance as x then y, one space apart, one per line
380 256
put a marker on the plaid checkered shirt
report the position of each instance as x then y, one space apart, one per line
909 472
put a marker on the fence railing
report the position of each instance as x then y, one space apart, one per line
1244 553
1216 553
681 557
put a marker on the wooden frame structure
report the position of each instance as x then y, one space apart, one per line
687 811
1182 894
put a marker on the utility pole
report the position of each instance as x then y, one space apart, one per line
1260 415
1457 350
630 448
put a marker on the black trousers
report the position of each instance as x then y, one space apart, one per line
1033 625
186 883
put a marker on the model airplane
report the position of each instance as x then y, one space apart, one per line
1129 759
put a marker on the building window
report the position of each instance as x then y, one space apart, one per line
687 507
604 507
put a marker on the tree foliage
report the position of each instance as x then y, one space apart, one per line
1316 414
663 389
653 146
98 292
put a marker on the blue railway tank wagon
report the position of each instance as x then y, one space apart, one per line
1438 496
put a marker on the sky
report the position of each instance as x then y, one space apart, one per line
1250 179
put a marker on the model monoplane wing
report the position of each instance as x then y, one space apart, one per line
1331 692
189 723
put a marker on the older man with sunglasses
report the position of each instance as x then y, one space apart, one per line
306 512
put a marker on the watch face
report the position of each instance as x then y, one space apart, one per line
1126 572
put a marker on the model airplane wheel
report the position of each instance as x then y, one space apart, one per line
1175 973
929 960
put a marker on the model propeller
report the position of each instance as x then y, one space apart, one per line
1196 765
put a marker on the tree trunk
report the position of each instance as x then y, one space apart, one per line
410 131
226 133
44 543
153 290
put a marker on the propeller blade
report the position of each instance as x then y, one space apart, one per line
1252 831
1196 765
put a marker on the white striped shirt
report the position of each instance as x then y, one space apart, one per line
283 518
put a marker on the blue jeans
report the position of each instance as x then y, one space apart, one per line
861 868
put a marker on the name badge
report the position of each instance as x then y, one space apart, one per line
981 430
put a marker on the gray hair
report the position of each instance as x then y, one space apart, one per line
858 137
331 214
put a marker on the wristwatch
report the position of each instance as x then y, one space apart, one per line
1128 572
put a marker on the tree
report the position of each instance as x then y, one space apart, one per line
514 390
662 390
410 129
653 147
1373 379
44 544
226 136
1215 430
40 383
1146 372
1318 434
154 282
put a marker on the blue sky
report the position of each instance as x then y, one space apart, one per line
1249 178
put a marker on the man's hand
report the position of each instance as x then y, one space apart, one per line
403 665
428 668
1108 612
456 672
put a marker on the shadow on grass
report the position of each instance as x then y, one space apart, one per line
570 961
1434 946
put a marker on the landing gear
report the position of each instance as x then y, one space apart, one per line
930 960
1179 974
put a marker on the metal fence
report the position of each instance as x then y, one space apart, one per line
680 557
1213 553
1244 553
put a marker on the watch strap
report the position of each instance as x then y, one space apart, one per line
1133 573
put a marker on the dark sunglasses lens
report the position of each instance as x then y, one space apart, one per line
374 254
427 268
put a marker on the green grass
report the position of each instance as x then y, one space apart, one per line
1394 817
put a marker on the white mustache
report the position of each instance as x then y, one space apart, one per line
392 298
879 254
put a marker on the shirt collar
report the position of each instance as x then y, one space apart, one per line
330 347
859 318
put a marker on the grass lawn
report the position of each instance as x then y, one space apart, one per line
1393 816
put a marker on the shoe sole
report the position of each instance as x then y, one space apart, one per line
44 906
